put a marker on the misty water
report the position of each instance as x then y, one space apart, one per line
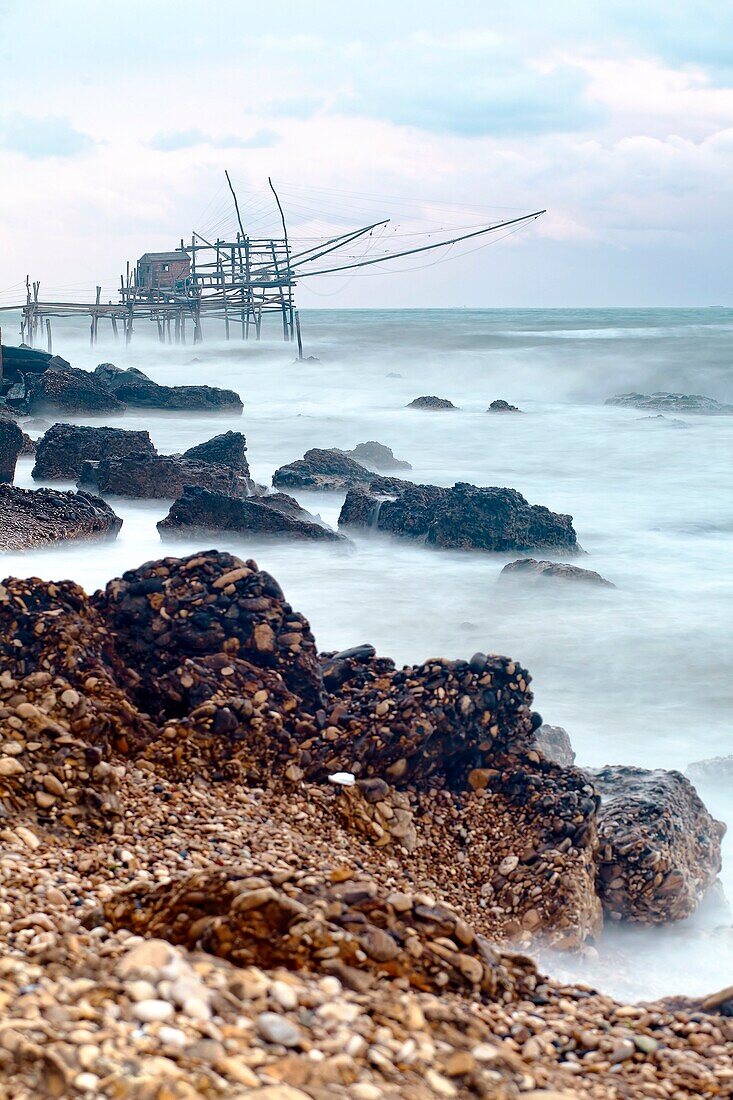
637 675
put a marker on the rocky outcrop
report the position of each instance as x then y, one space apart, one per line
200 510
228 449
11 446
331 471
37 517
71 391
375 456
671 402
136 390
717 770
501 406
551 570
437 403
659 846
21 361
464 517
62 451
159 477
554 744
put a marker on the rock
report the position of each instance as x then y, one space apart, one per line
431 403
228 449
69 390
21 361
11 446
554 744
278 1029
152 1011
37 517
146 476
200 509
326 470
666 420
464 517
551 570
62 451
671 402
502 406
375 456
659 846
136 390
715 770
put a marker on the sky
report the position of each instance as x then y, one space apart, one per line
117 122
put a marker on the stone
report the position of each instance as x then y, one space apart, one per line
228 449
152 1011
135 390
376 456
671 402
153 476
278 1029
551 570
64 448
323 470
69 390
200 509
434 403
554 744
11 446
39 517
501 406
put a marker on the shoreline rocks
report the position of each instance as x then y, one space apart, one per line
323 470
376 456
37 517
62 451
501 406
71 391
552 570
134 389
12 442
158 477
200 509
671 402
437 404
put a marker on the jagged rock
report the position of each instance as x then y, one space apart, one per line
164 477
11 446
659 846
554 744
431 403
200 509
19 361
205 604
552 570
322 469
258 919
138 391
376 456
715 770
463 517
36 517
501 406
671 402
228 449
70 390
62 451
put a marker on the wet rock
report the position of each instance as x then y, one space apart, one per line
38 517
554 744
373 808
671 402
717 770
502 406
431 403
70 390
327 470
152 476
552 570
136 390
376 456
659 846
21 361
463 517
228 449
200 509
11 446
64 448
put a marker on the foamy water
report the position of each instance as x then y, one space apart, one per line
639 675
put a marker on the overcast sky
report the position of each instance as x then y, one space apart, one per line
117 121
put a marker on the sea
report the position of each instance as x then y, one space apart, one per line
637 674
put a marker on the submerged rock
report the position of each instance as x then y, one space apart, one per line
463 517
69 390
135 389
375 456
200 509
62 451
554 744
327 470
659 846
431 403
161 477
715 770
552 570
502 406
11 446
670 402
36 517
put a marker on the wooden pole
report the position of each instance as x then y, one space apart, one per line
113 319
297 333
49 341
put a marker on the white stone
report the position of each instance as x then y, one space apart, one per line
344 779
172 1037
284 994
150 1011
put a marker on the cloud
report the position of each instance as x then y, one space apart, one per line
172 140
38 138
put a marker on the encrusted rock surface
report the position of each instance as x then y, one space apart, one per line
135 389
671 402
463 517
322 469
63 449
36 517
11 446
200 509
227 449
431 403
152 476
659 846
553 570
69 390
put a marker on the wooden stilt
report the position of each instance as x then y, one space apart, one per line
49 341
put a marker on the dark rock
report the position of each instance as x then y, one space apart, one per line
671 402
35 517
326 470
138 391
228 449
375 456
659 846
70 390
463 517
553 570
431 403
161 477
554 744
62 451
11 446
23 361
29 445
501 406
199 509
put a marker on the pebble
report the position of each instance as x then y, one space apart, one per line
150 1011
277 1029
